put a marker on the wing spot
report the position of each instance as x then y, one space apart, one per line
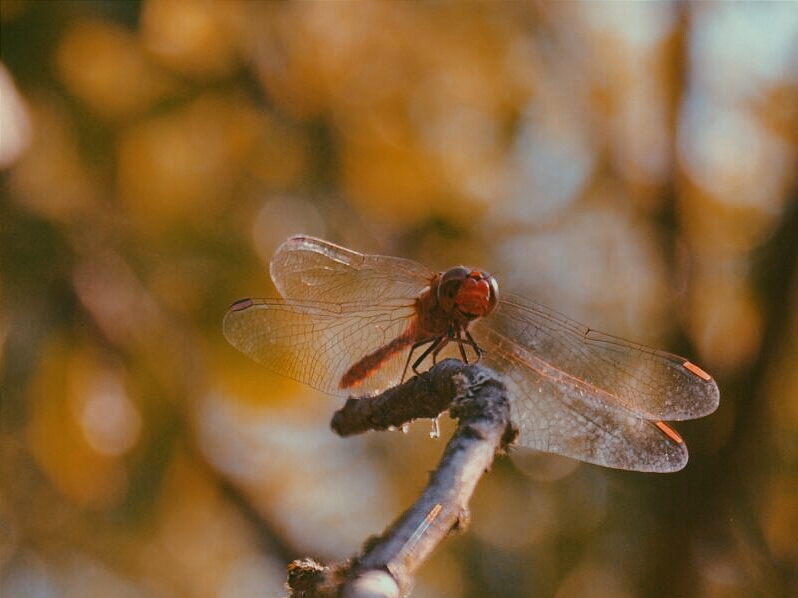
241 304
694 369
669 432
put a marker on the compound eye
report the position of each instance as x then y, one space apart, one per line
494 292
450 283
460 273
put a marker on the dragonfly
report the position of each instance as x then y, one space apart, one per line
348 321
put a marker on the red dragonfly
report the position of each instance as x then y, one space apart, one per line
348 320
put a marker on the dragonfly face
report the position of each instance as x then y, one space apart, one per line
467 294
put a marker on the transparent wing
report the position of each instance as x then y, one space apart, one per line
313 269
338 306
556 413
590 396
642 380
316 342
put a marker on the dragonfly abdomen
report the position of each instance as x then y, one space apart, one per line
373 361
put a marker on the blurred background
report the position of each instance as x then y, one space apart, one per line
632 165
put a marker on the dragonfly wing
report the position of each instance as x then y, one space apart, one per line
635 378
309 268
559 414
316 342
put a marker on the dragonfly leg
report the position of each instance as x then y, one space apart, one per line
434 345
462 348
462 343
473 344
455 336
409 357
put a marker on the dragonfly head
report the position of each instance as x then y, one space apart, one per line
470 293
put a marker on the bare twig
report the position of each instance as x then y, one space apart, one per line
474 396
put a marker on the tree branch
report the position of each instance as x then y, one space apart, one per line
475 397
